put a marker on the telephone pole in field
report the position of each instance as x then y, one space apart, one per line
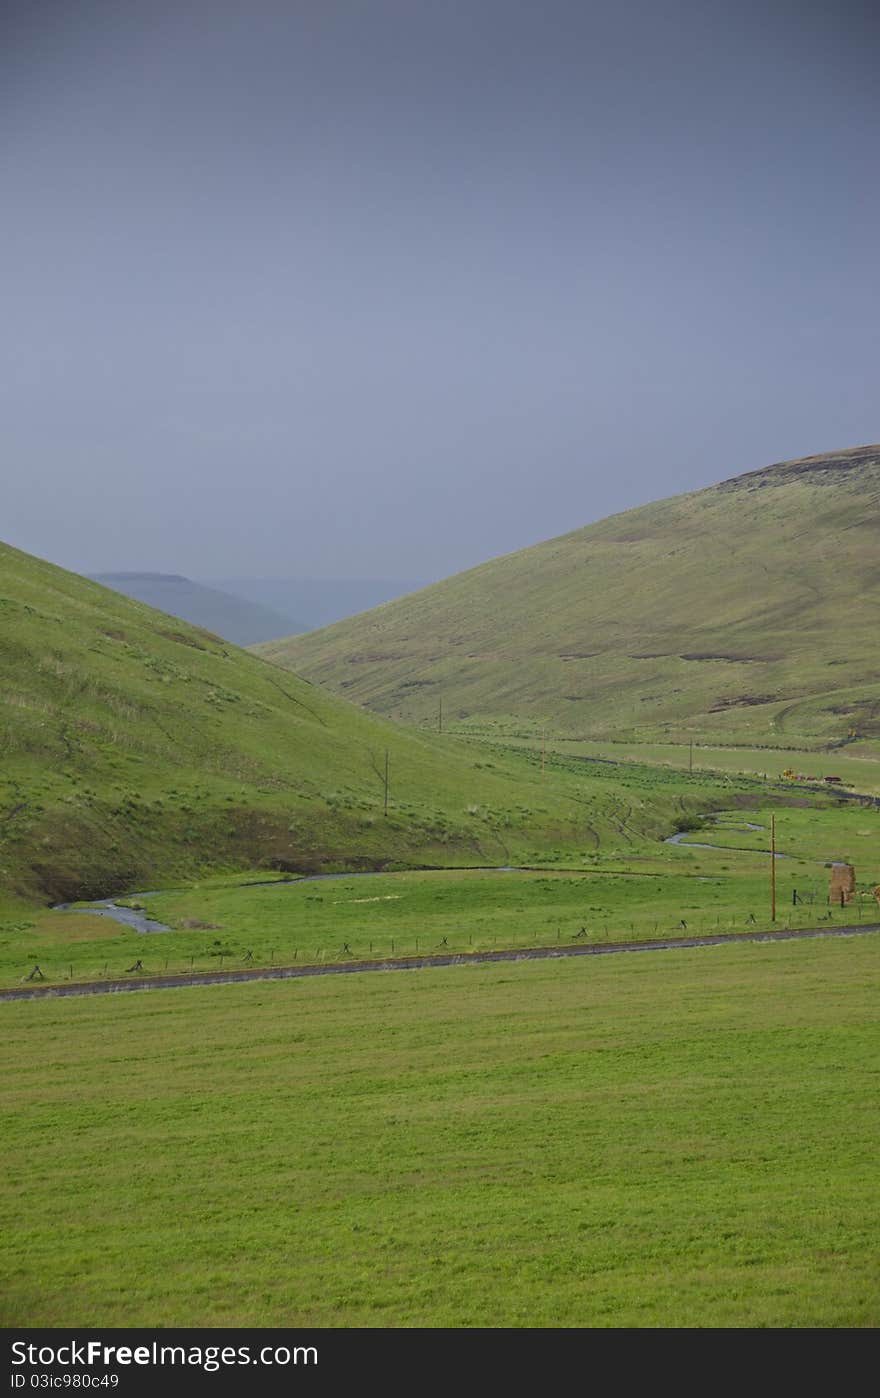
773 868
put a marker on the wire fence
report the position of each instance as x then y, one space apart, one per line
802 914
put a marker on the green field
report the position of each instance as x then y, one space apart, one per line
687 1139
647 892
858 765
745 612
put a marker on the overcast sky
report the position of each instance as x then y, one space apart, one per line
368 288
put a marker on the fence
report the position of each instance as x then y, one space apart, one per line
807 911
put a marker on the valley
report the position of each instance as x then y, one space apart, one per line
711 878
538 1128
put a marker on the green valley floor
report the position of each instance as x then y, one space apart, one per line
685 1140
647 891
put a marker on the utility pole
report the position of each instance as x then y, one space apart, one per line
543 752
773 868
386 780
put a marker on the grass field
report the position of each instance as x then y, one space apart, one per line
689 1139
745 612
858 765
647 893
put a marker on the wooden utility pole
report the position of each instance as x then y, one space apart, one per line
386 780
773 868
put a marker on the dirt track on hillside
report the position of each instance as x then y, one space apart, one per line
416 963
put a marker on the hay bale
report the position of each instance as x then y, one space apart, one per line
843 883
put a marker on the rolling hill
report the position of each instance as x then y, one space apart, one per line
743 612
137 749
237 619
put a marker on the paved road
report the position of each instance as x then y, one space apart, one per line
417 963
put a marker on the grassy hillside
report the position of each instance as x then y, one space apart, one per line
236 619
138 750
744 612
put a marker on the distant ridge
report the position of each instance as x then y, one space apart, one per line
235 619
746 611
821 468
317 601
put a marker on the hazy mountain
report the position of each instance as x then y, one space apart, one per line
236 618
316 601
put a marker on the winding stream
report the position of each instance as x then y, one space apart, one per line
106 907
139 922
681 839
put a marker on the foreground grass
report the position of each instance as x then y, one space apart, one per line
689 1139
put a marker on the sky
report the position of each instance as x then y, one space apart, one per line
384 288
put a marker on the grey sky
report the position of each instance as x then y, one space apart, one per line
386 288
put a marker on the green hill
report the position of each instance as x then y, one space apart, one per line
236 619
746 612
137 750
